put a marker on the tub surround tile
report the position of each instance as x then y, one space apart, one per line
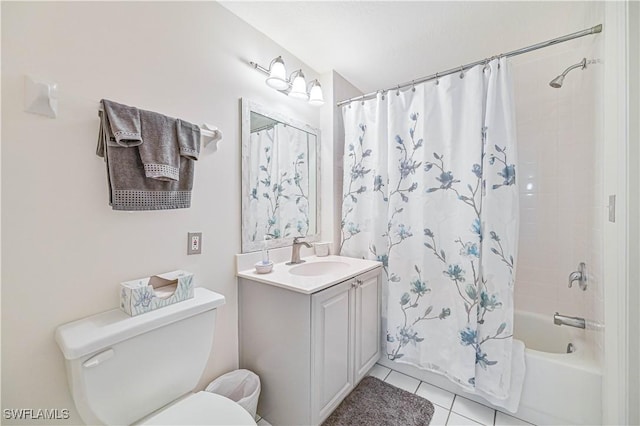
436 395
403 381
472 410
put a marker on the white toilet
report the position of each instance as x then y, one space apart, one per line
124 370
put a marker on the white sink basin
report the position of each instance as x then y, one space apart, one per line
316 274
312 269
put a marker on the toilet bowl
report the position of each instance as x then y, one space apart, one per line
143 369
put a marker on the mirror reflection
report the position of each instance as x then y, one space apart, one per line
279 179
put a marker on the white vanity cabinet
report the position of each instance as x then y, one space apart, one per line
345 339
309 349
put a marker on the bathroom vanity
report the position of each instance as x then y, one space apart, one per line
311 332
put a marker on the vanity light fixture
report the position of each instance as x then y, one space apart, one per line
315 94
277 75
299 86
294 86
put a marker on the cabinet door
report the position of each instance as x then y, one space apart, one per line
367 322
332 348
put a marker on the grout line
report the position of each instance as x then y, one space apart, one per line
387 375
411 377
443 407
469 418
389 372
446 422
455 395
511 415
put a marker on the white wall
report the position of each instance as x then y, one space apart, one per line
633 167
332 155
560 149
64 250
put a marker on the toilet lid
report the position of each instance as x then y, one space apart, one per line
203 408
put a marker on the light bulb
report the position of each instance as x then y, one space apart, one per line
299 87
315 94
277 75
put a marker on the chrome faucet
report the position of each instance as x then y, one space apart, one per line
295 251
570 321
580 275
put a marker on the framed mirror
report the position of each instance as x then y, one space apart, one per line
280 174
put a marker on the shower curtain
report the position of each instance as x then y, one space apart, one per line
278 174
429 190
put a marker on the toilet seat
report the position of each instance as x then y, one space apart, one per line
202 408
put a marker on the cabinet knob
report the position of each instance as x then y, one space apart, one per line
354 284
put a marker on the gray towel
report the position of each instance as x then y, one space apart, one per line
125 124
159 153
130 189
188 139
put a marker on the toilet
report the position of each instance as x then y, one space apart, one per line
142 370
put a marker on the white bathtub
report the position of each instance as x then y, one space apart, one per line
559 388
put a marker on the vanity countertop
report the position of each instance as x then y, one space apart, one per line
281 275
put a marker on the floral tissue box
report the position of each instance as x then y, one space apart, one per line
151 293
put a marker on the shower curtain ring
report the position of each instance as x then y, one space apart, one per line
413 85
398 91
437 81
486 65
461 72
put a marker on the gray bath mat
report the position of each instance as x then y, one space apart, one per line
374 402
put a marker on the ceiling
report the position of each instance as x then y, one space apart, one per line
378 44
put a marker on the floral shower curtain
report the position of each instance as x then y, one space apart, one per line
279 174
429 190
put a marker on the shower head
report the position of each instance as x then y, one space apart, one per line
556 83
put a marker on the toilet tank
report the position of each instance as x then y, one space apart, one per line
122 368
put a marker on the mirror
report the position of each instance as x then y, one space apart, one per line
279 179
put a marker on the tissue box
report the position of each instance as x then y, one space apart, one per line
150 293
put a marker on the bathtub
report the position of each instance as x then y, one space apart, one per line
559 388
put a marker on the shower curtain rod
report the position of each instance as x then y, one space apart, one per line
588 31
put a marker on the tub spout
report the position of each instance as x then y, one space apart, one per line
570 321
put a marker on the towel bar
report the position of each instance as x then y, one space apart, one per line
208 132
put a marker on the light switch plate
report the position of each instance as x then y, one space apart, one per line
194 243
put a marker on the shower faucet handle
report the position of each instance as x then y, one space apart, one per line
580 275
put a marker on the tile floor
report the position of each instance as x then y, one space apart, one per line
450 409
